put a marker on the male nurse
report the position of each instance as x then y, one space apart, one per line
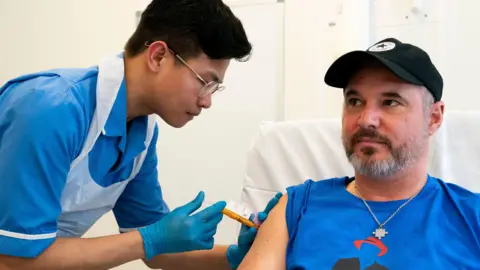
77 143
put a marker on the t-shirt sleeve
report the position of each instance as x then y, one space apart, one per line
39 133
296 205
142 203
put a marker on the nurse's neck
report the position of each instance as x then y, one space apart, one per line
135 82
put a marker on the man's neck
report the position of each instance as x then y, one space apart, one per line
135 83
399 186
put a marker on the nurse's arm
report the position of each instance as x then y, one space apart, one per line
267 251
82 253
269 248
214 259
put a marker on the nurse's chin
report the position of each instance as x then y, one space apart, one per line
181 121
176 123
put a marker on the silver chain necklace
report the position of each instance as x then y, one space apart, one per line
380 232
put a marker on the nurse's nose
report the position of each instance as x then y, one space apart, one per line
205 101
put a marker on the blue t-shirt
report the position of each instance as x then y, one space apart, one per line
44 121
330 228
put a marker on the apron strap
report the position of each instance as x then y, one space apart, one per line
111 72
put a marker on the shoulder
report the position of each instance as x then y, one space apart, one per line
66 85
464 199
325 185
299 196
458 191
47 93
51 103
76 75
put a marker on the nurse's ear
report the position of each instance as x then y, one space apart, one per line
156 53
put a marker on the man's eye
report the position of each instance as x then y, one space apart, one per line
391 103
353 102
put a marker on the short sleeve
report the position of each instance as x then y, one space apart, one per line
296 205
142 203
39 132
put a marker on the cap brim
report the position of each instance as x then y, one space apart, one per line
342 70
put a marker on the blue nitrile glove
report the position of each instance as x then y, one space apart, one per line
236 253
179 231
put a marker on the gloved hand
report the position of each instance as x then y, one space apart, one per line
236 253
179 231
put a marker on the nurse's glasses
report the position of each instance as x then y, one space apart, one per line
208 88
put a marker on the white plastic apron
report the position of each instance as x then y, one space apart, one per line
83 200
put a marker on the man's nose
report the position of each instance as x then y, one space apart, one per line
369 118
205 102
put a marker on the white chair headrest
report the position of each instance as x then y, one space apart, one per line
288 153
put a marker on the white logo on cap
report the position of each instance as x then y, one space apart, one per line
381 47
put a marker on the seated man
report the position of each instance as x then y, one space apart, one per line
391 214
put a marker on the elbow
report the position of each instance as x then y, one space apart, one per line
23 249
149 264
17 263
23 255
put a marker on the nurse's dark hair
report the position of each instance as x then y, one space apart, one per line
190 27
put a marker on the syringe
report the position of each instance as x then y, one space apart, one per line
236 211
239 218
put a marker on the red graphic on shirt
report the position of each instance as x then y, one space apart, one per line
366 259
373 241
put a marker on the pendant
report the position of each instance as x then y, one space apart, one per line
380 233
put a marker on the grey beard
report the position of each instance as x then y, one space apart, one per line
400 158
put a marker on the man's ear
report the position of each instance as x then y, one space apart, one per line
156 53
436 117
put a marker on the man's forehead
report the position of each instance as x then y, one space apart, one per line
385 93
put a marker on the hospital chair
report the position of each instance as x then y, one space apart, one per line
288 153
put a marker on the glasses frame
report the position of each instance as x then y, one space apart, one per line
209 88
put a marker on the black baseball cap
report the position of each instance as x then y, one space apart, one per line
407 61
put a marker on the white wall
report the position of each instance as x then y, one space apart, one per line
69 33
449 33
316 33
53 33
45 34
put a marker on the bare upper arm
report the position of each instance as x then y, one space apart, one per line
269 248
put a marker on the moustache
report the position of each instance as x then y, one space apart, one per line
370 134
